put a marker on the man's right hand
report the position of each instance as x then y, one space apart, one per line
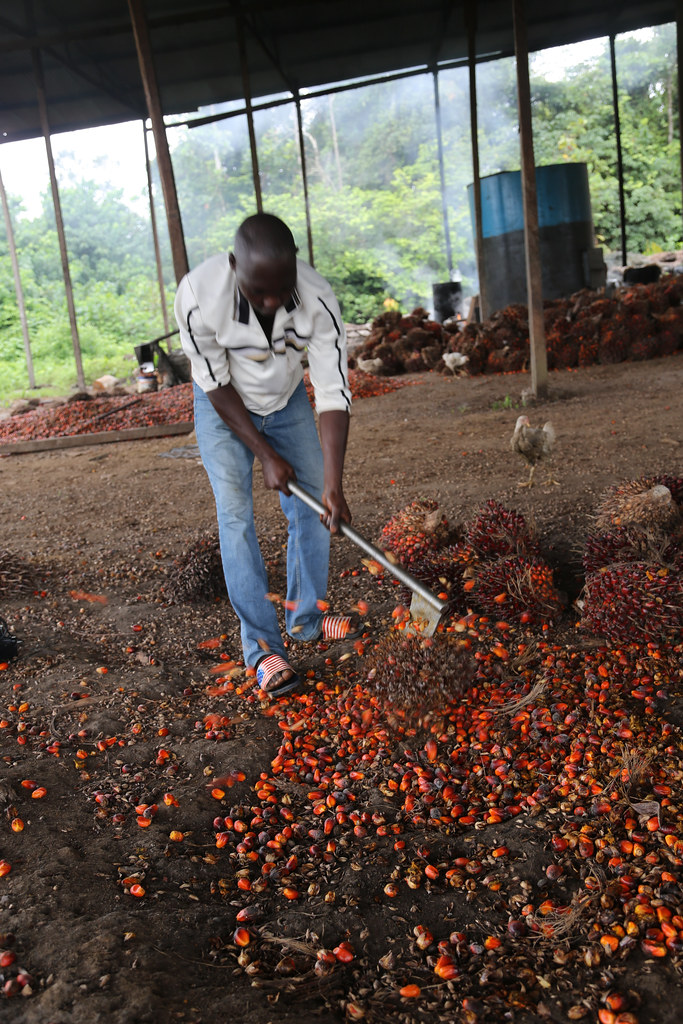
230 407
276 472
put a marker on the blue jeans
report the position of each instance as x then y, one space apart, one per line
229 464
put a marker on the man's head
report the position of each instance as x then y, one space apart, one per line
264 261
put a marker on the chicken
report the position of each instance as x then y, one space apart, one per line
455 361
369 365
533 443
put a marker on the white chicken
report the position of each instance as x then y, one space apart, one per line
533 443
455 361
369 365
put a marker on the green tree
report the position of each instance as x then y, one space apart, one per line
374 191
574 120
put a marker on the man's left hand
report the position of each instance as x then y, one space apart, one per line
334 501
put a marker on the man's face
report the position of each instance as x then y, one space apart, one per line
266 284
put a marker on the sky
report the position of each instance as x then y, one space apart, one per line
114 154
553 63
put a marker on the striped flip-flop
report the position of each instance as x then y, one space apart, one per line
271 666
341 627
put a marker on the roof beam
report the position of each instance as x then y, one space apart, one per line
75 68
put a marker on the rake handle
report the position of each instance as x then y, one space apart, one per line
397 571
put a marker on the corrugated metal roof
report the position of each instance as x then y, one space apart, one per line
92 76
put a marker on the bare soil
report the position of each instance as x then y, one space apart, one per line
105 708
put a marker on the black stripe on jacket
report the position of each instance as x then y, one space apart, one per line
332 317
196 346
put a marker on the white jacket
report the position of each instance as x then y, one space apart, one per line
225 343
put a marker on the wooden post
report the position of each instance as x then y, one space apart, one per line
45 127
471 23
442 175
620 160
539 356
304 176
17 284
150 85
155 234
246 89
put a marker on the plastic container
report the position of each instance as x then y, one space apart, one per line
565 233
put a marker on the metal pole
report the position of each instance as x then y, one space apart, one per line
155 233
304 177
538 355
45 127
335 140
620 163
396 570
471 21
246 89
149 82
442 174
17 284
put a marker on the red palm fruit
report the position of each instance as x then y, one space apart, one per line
415 530
528 586
634 602
498 531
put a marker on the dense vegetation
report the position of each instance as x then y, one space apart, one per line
374 191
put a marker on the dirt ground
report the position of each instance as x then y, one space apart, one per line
106 705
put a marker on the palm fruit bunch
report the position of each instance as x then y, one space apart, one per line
614 341
416 530
506 360
624 544
650 502
401 344
419 674
474 344
498 531
645 346
15 574
639 520
634 602
197 575
670 324
515 588
442 571
675 485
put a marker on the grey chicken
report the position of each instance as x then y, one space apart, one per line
533 443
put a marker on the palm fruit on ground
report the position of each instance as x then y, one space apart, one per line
419 674
499 531
634 602
515 589
198 574
414 531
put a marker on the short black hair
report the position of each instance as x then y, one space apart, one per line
266 234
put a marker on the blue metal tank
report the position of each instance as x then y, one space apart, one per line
565 233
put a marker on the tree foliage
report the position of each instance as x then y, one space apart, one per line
374 192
